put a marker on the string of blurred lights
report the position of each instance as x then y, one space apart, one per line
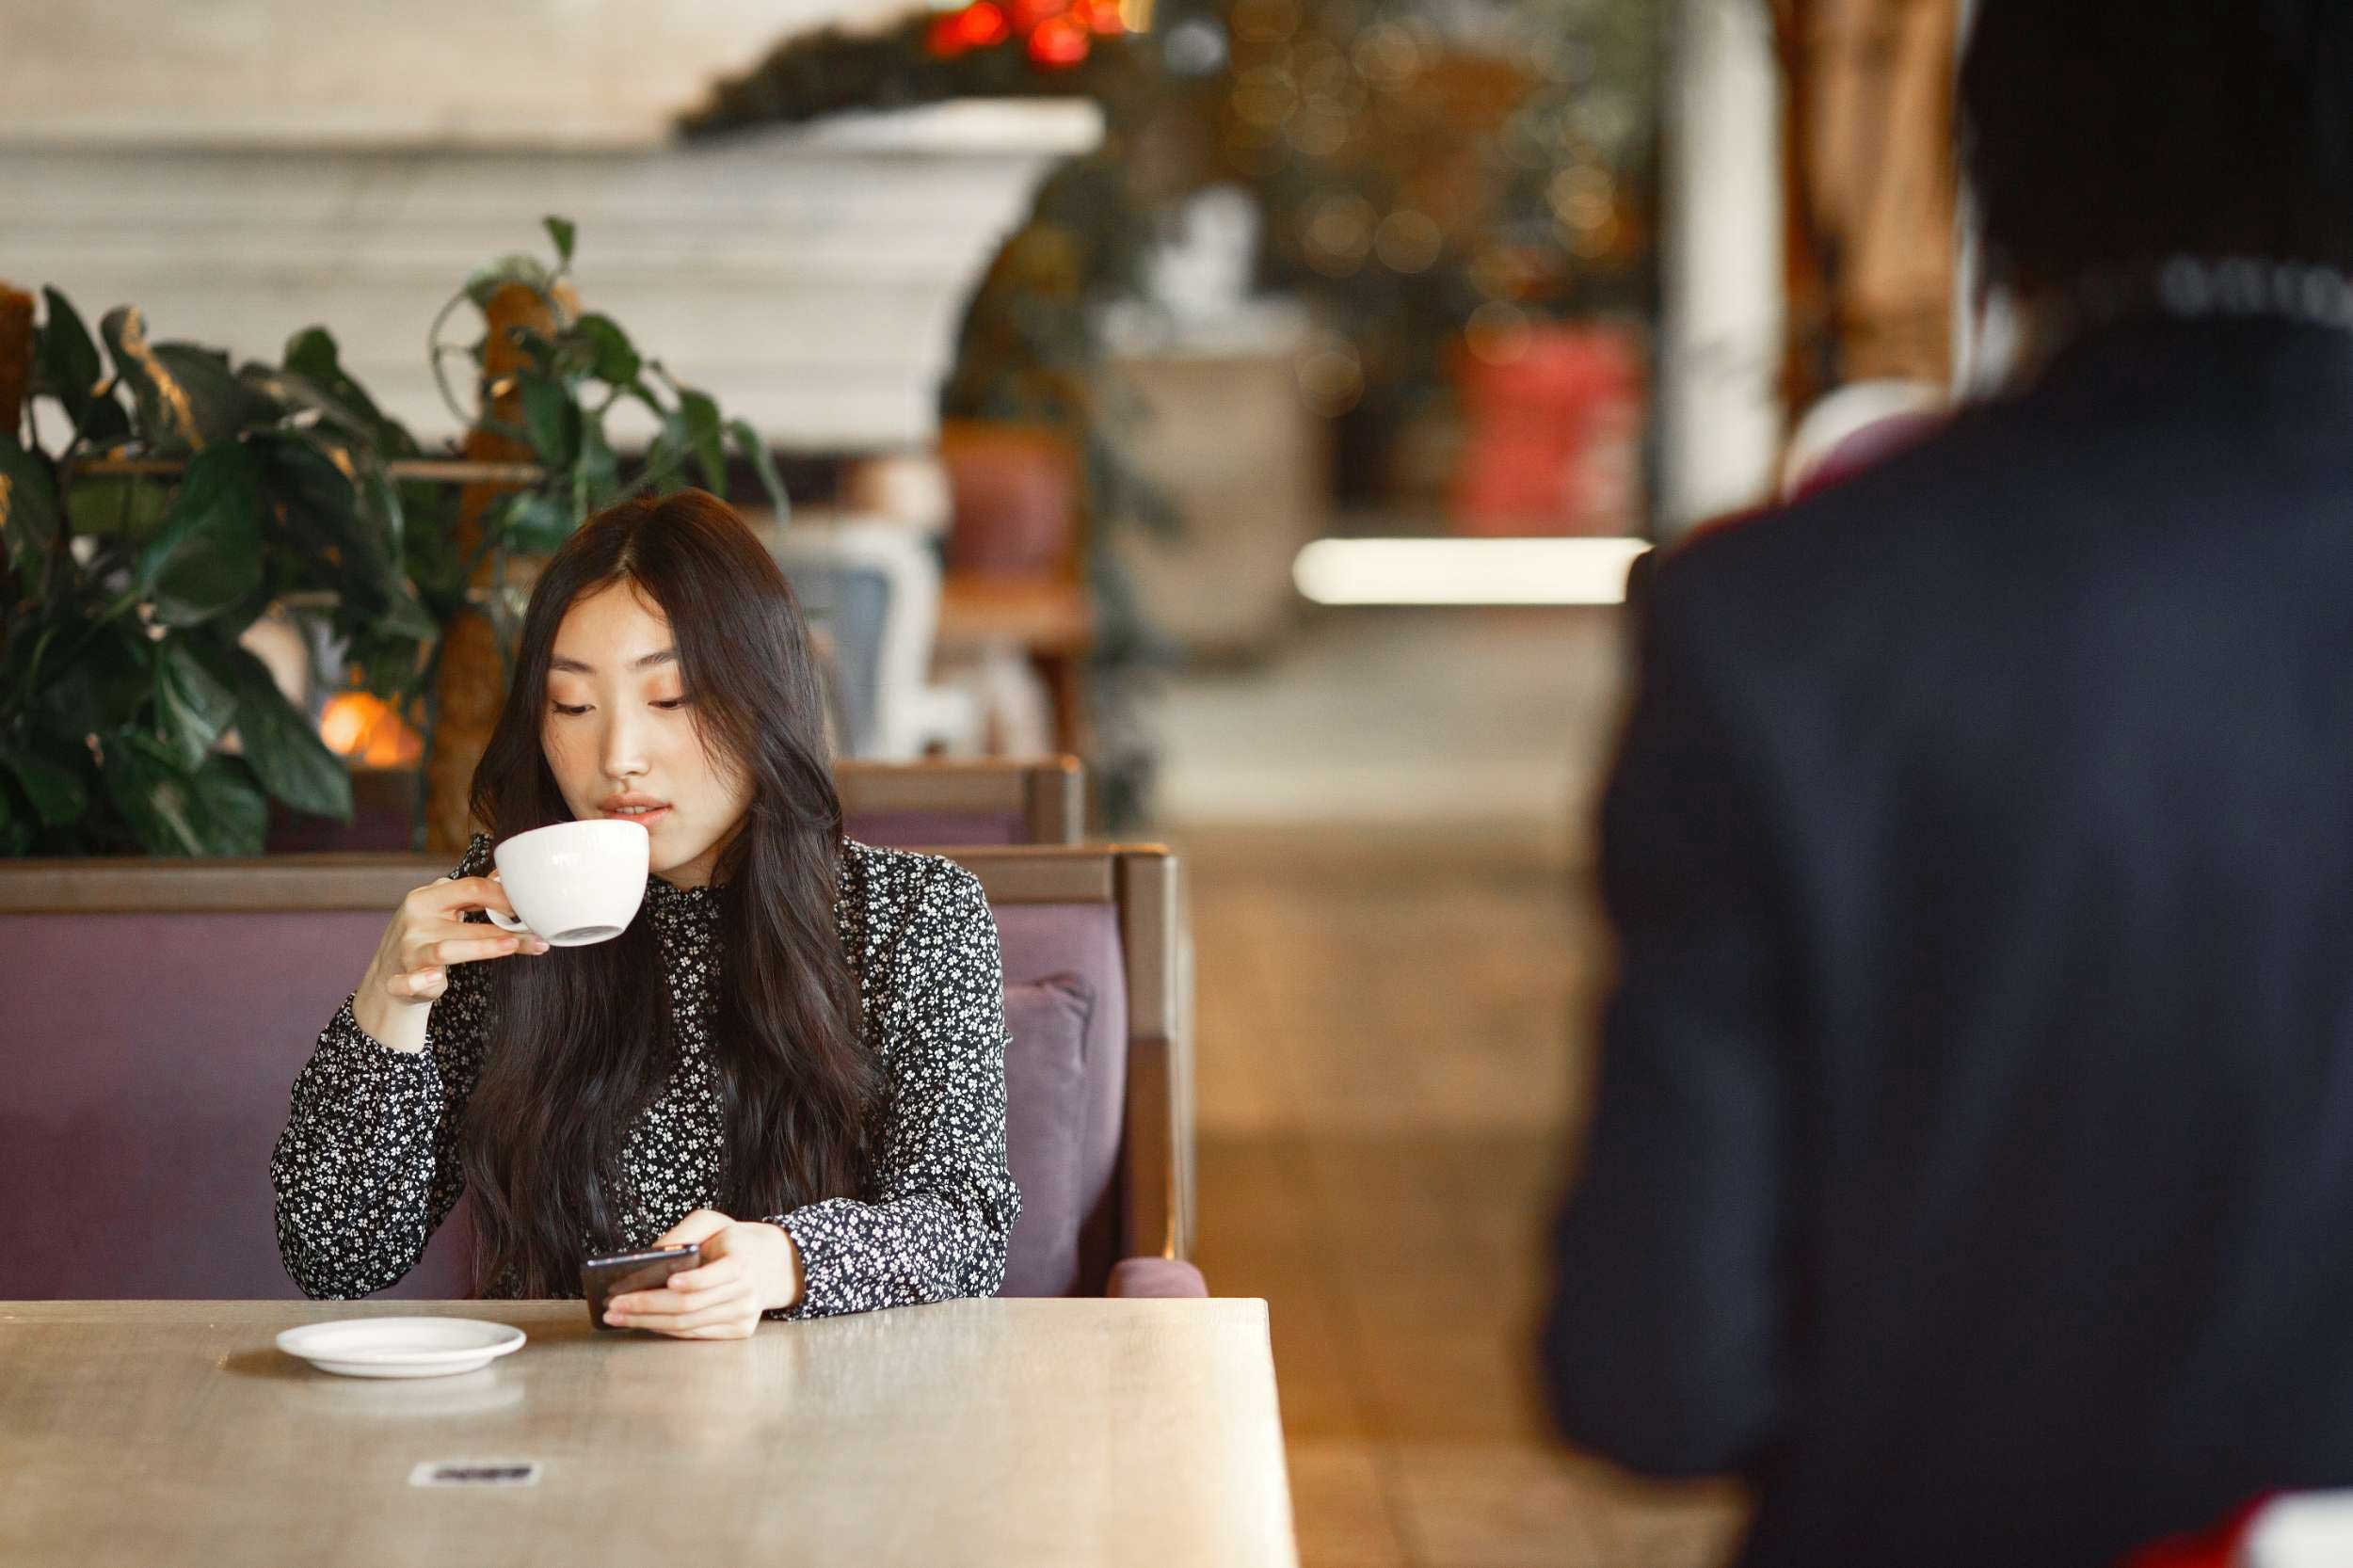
1056 35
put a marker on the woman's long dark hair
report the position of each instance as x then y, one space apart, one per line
583 1040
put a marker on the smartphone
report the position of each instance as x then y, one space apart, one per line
603 1278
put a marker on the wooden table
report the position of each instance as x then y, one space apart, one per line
971 1433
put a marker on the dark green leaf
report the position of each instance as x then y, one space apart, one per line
221 403
756 452
28 507
335 545
381 509
284 752
209 555
194 705
157 796
665 460
614 359
534 522
310 354
66 366
407 617
597 477
561 230
699 417
233 812
553 419
104 423
186 395
108 678
388 663
55 790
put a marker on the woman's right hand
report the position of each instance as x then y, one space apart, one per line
410 969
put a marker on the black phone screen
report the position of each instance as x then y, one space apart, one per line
602 1279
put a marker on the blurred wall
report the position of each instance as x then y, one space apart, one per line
441 71
244 168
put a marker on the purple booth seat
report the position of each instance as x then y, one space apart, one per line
148 1058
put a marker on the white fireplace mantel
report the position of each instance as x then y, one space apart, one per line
810 277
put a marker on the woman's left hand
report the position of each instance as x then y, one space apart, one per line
747 1268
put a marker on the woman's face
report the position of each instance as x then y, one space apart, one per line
621 738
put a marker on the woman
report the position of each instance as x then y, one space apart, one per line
794 1055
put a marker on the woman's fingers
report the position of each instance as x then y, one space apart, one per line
722 1270
676 1303
462 949
434 943
419 984
698 1226
453 894
730 1306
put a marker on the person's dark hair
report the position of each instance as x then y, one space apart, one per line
583 1040
2102 136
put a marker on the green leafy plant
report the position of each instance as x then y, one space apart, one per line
190 495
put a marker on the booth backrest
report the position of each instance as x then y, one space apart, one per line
148 1059
157 1013
963 803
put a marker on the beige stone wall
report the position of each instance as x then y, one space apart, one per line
561 73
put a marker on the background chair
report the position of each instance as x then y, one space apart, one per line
870 591
159 1010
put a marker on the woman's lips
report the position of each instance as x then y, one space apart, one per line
646 818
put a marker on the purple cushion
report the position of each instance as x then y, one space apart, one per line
1046 1071
1041 941
1149 1277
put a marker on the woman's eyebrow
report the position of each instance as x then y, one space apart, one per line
578 666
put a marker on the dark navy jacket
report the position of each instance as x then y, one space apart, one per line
1973 1163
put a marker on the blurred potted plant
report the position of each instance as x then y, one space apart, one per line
190 495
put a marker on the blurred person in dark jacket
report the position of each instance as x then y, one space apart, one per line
1972 1164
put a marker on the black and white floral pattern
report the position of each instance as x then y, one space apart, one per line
369 1163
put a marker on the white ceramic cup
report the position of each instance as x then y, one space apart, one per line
575 882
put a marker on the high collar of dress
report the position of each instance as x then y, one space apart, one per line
676 909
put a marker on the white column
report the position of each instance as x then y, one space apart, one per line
1724 299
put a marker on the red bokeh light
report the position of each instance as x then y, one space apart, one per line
977 26
1060 41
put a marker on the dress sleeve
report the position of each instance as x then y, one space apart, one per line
368 1165
943 1201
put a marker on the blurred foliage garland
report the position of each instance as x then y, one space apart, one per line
1440 177
191 495
1029 352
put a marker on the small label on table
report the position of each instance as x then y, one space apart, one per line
476 1472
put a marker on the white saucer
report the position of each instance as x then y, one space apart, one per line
401 1347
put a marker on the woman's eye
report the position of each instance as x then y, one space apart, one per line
568 712
673 702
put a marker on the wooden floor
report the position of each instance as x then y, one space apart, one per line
1393 1041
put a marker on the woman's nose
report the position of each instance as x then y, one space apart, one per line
624 750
